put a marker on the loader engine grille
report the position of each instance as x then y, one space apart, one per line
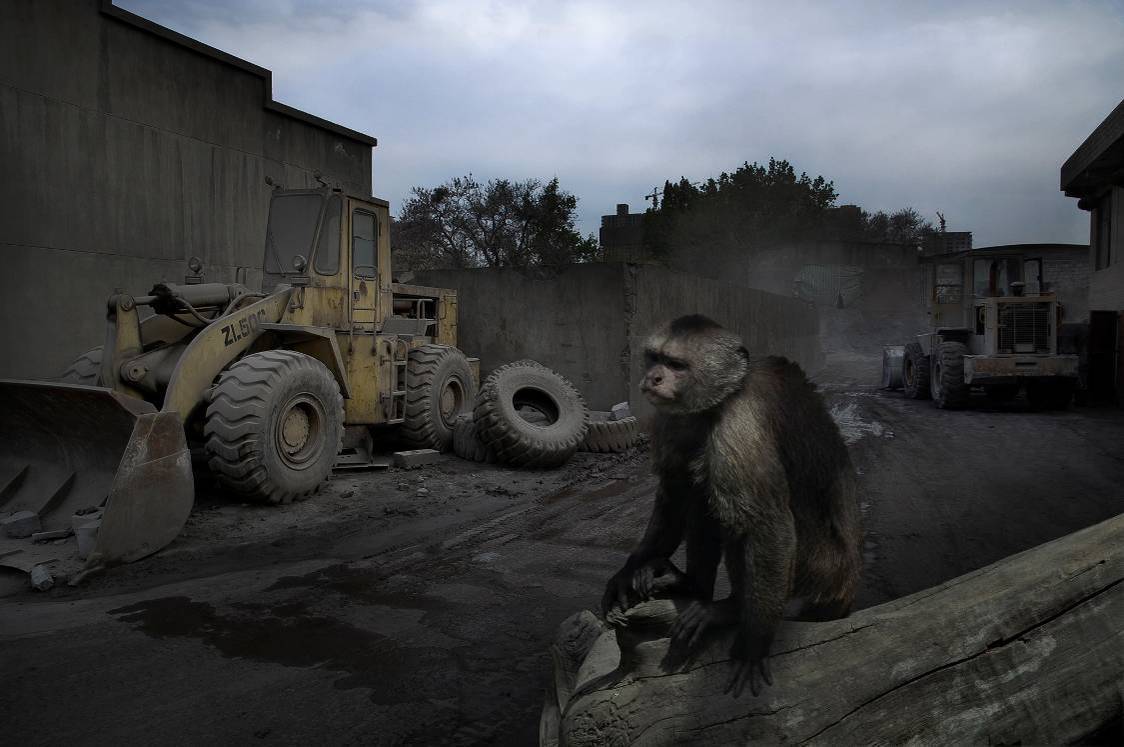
1024 327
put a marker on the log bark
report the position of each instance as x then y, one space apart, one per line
1027 650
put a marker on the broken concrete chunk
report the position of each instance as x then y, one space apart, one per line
41 578
415 458
22 524
54 534
620 411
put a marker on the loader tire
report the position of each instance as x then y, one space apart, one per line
915 372
529 386
274 426
947 383
439 390
467 443
610 436
86 369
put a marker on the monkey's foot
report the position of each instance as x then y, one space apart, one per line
754 671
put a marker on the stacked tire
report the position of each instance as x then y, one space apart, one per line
607 436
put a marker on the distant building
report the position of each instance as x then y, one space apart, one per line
1094 174
947 242
622 236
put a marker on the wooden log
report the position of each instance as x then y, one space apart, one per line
1027 650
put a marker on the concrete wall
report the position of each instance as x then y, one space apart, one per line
1106 288
125 149
588 322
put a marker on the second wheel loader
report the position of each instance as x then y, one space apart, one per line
267 386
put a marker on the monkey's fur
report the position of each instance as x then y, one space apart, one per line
751 467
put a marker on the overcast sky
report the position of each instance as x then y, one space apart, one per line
969 108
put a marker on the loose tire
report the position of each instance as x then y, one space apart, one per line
1050 394
915 372
86 369
526 384
439 390
467 443
946 383
274 426
610 436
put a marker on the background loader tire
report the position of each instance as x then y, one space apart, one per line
947 383
610 436
85 369
467 443
274 426
527 385
439 389
915 372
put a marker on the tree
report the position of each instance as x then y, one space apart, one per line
502 223
757 206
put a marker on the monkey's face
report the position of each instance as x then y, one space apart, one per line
692 365
665 380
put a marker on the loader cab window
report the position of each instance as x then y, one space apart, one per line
328 248
993 277
291 230
364 235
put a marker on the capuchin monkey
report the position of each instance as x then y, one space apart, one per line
751 468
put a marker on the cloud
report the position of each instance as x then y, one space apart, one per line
967 107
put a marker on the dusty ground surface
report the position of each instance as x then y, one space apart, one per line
377 615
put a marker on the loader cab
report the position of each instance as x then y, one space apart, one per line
336 247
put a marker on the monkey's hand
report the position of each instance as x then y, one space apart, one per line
689 628
750 657
615 600
657 577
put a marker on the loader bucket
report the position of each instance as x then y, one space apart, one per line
66 449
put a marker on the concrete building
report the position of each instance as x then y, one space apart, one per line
946 242
1095 175
622 236
126 148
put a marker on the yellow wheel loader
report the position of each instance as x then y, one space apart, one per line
266 386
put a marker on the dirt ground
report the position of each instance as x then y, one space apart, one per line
379 614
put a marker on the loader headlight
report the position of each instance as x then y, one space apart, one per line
300 263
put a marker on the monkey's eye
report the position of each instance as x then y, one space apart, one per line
676 365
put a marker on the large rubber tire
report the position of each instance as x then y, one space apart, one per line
274 426
467 443
86 369
610 436
1050 394
915 372
527 384
947 384
439 390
